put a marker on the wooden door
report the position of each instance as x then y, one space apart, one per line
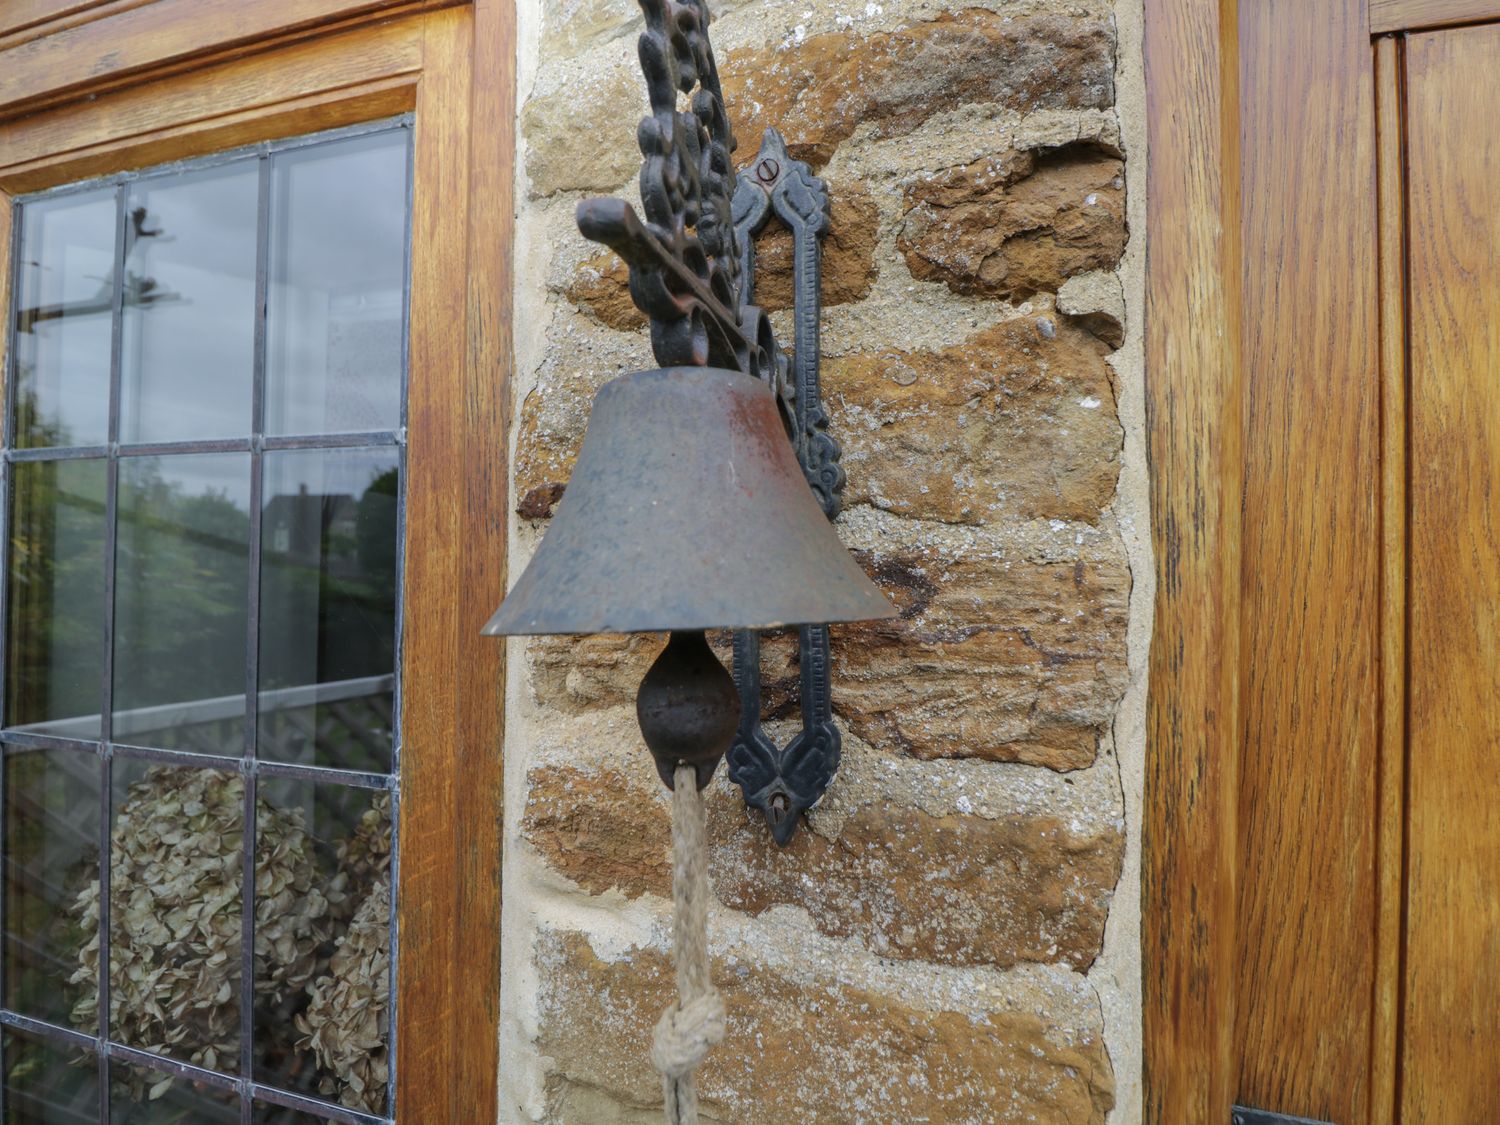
1449 1040
115 91
1322 844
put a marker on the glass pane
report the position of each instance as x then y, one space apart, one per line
267 1114
47 1083
55 644
141 1096
52 886
174 901
181 590
189 331
64 320
338 276
321 1019
328 607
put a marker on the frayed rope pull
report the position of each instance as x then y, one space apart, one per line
695 1023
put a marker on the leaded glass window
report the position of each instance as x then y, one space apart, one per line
203 476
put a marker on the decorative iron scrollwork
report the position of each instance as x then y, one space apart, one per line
692 269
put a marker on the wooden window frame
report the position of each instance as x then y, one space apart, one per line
301 66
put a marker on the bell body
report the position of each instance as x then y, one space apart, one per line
687 510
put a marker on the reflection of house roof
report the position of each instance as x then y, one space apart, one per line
308 517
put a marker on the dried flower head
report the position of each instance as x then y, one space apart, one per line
346 1025
175 914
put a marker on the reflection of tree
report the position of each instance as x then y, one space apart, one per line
182 590
331 559
328 599
56 590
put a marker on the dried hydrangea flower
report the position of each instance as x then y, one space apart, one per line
175 915
346 1025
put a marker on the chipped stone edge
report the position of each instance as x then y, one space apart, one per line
1116 974
522 1093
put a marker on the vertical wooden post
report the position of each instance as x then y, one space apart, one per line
1194 401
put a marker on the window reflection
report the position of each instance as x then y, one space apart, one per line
338 281
138 1096
328 607
52 853
174 915
330 1038
45 1085
64 323
181 601
55 644
159 635
188 354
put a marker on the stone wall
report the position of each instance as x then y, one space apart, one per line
953 935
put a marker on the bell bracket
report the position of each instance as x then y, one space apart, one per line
692 271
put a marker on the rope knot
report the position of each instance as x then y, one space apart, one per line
685 1033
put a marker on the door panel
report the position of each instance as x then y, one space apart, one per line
1450 1066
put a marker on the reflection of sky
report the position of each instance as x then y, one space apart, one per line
339 472
337 284
67 251
337 278
188 360
199 474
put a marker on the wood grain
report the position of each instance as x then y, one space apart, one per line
1391 814
339 80
7 232
1412 15
452 678
487 419
1310 608
1194 396
160 38
433 641
26 19
1451 1070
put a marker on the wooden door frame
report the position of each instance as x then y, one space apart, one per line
1276 388
143 83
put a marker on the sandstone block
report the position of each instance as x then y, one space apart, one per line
801 1049
1096 303
580 133
956 889
1018 223
581 129
581 358
603 829
1030 881
818 92
1010 646
1001 652
1018 420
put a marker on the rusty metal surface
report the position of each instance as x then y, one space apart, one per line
691 255
687 709
687 510
783 782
